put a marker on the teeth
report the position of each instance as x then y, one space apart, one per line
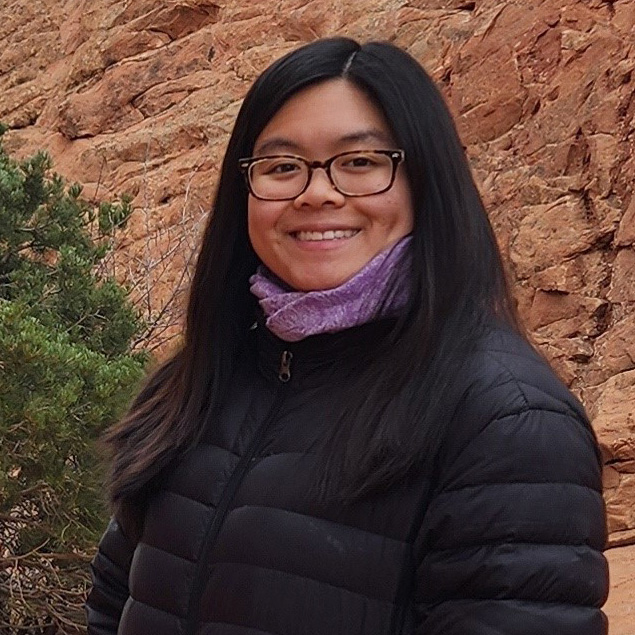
327 235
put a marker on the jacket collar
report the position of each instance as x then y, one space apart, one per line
317 354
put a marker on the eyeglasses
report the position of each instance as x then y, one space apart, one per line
358 173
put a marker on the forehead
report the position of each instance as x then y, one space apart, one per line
327 117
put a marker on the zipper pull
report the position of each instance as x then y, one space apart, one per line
284 374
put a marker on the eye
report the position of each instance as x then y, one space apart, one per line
282 168
358 161
278 167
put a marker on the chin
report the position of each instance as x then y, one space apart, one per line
320 283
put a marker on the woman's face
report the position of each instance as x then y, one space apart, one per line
294 238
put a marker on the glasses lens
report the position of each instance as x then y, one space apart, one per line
361 173
278 177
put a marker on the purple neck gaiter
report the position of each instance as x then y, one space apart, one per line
379 289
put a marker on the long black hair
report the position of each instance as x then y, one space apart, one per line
394 410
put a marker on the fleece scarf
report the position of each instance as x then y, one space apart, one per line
378 290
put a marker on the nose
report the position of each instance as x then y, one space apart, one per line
319 192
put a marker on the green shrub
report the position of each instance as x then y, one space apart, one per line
66 373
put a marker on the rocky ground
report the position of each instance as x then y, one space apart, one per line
139 96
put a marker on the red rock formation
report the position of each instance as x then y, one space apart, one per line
140 96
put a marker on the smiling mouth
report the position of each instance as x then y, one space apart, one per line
331 234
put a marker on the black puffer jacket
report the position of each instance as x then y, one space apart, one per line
505 539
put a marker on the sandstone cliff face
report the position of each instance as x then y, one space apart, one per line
139 96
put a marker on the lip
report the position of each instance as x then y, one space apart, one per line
326 244
296 235
322 228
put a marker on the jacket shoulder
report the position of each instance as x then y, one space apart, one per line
513 407
506 375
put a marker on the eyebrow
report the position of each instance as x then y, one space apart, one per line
282 143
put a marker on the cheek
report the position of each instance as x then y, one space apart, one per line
396 213
408 216
261 223
256 216
403 206
255 230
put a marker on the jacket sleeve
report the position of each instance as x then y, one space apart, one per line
109 592
512 541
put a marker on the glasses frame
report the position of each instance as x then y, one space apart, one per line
246 165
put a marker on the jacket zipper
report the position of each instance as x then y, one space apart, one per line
235 480
284 374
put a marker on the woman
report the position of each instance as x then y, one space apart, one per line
354 437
